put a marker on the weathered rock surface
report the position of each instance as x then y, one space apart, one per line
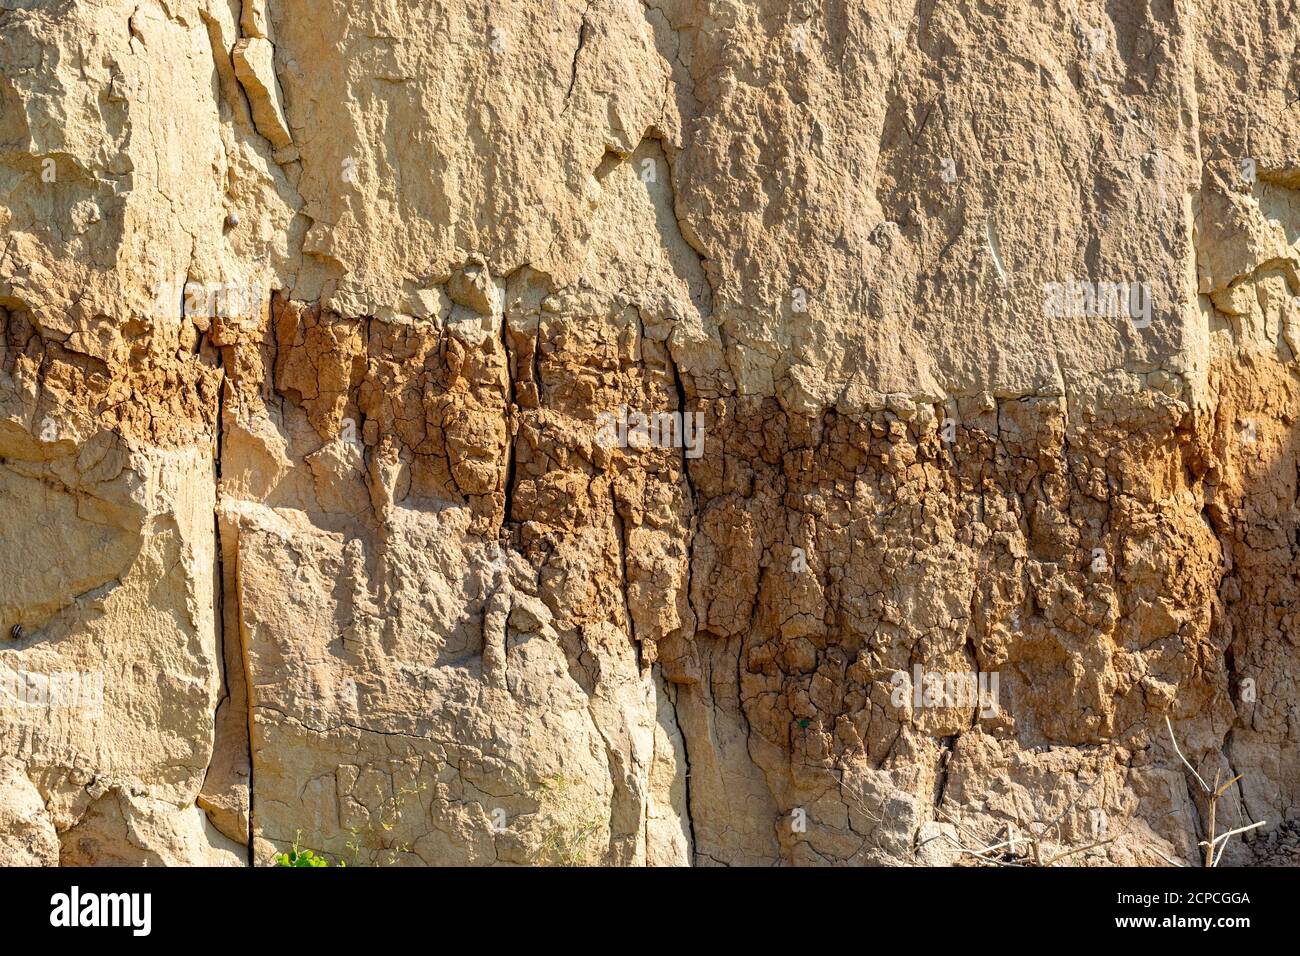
324 332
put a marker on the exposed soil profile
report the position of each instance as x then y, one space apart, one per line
689 432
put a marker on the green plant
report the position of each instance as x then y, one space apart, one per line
373 840
575 820
301 856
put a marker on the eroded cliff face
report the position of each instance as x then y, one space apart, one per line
333 335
